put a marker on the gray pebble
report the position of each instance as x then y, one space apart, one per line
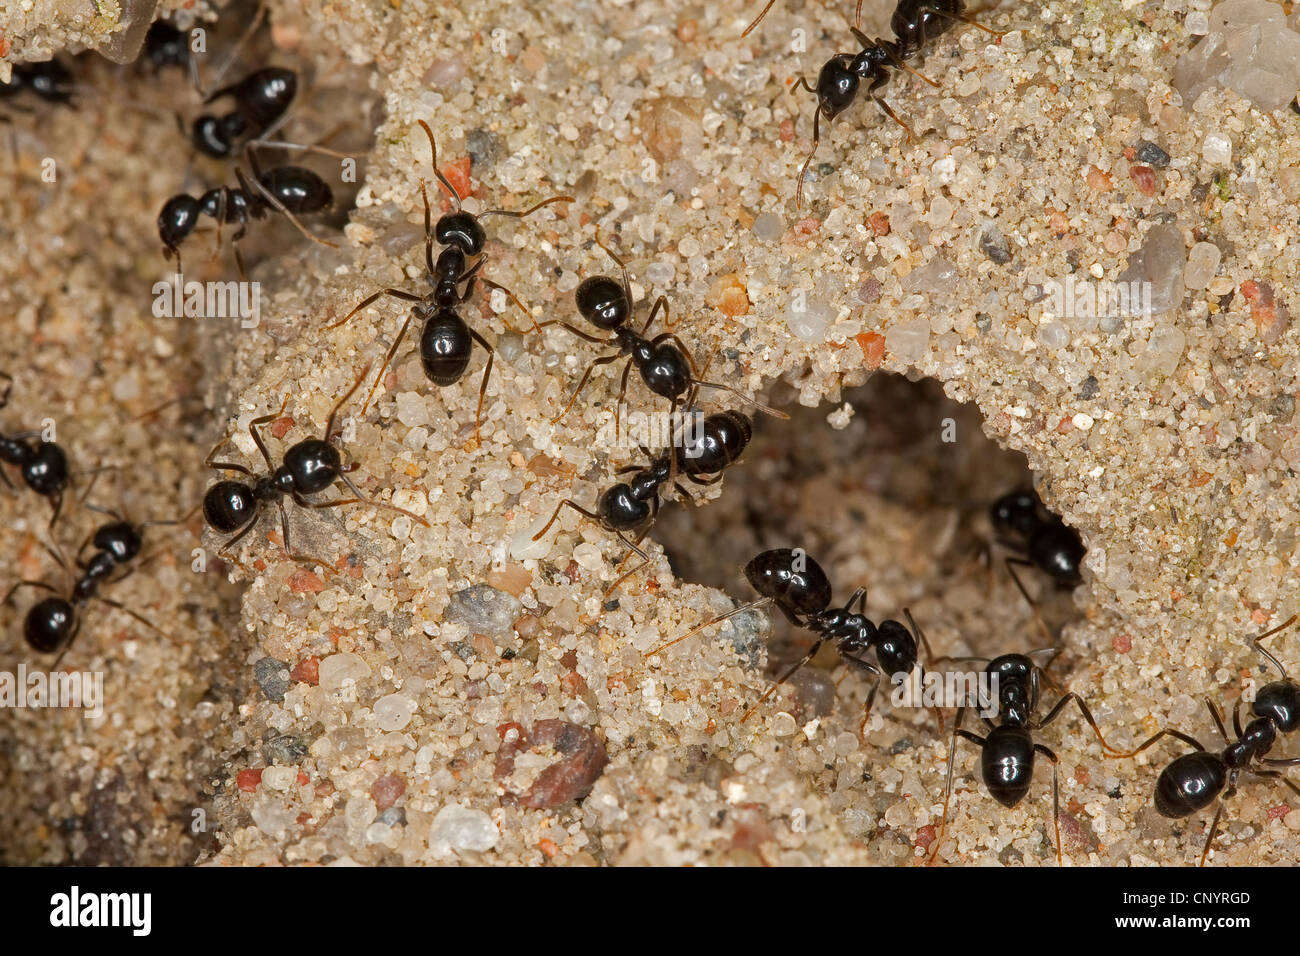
1151 154
286 750
1089 388
994 245
273 677
485 610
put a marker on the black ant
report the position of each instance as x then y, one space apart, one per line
309 467
53 622
167 46
797 585
1195 780
288 190
914 23
1007 752
447 340
42 464
664 363
700 455
261 100
1048 544
49 80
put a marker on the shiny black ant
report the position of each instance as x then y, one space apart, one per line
42 464
166 46
1048 544
446 339
797 585
914 23
53 622
699 454
664 362
48 80
1193 781
309 467
288 190
1007 752
261 100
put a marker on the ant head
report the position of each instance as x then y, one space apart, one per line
213 136
46 472
121 539
792 579
462 230
229 506
603 302
313 464
49 624
1280 703
1015 514
837 85
179 216
164 45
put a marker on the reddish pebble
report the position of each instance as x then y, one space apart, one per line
280 427
873 348
249 780
1083 775
1278 812
1271 320
386 790
306 671
303 779
808 226
925 836
1145 178
787 130
548 847
1122 643
303 581
687 31
457 174
879 223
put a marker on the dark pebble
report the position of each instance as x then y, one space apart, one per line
484 148
901 745
1089 388
273 677
994 245
285 750
1151 154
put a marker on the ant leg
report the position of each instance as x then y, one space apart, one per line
1190 741
604 360
871 694
329 422
9 384
392 350
627 283
812 652
76 629
253 24
916 629
635 546
876 84
303 559
746 399
595 340
281 208
28 584
57 501
361 498
1256 642
1087 715
622 394
433 146
817 138
257 422
761 602
761 14
572 504
957 731
226 554
1236 718
1214 831
208 462
1218 720
126 610
660 303
926 8
1033 605
513 298
1056 795
482 388
395 293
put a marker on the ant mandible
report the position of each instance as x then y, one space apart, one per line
664 363
309 467
797 585
1007 752
1193 781
447 340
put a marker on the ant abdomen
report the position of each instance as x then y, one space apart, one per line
49 624
895 647
46 471
1007 763
795 582
445 347
229 505
719 443
1190 783
297 189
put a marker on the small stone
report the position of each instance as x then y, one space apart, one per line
583 760
279 778
1202 263
767 226
337 668
808 318
287 749
458 828
387 790
1082 421
1217 149
273 677
994 245
1159 262
909 341
1164 350
1089 388
936 277
393 712
1053 335
485 610
1151 154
